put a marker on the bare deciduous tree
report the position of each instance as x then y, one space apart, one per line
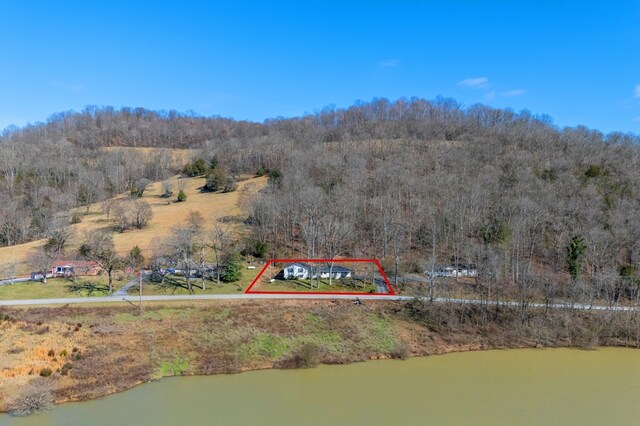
98 247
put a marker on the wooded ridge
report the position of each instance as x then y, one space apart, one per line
543 212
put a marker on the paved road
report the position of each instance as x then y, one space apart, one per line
163 298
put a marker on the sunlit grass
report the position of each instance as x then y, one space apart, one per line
61 288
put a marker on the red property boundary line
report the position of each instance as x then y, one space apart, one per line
375 261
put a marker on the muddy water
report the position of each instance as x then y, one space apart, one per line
543 387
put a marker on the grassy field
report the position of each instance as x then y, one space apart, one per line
337 286
61 287
166 214
178 285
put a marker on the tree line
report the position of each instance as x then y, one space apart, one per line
544 212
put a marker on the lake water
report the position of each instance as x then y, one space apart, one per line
514 387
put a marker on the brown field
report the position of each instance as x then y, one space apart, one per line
118 348
166 215
111 347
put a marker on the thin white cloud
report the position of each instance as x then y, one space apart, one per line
489 96
512 93
636 91
389 63
475 82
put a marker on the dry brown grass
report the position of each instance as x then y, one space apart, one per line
26 347
166 215
121 348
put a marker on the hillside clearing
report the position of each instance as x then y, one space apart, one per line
166 214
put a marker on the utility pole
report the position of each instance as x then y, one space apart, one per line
13 266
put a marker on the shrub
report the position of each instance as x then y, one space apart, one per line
549 175
139 187
231 268
275 177
46 372
51 352
230 186
75 218
216 180
306 356
213 163
196 168
496 231
627 271
575 250
593 171
35 397
259 249
167 189
182 196
261 171
175 367
65 368
400 351
63 352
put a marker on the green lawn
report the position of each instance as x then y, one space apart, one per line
60 287
337 285
178 285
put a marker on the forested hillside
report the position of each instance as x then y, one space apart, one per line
541 211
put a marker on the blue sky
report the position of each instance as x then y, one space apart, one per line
576 61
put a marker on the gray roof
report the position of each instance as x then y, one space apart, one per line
304 265
321 269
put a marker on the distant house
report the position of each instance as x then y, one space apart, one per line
459 270
304 271
67 268
441 271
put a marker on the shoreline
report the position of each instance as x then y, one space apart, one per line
117 350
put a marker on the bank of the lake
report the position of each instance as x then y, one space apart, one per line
523 386
94 351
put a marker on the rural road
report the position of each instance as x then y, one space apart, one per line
163 298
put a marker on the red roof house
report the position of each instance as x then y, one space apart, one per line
66 268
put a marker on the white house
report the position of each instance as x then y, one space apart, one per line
296 270
336 272
304 271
